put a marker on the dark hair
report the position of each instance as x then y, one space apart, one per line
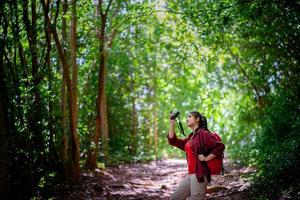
203 120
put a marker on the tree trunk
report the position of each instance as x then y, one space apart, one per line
155 131
65 141
103 118
149 128
35 112
155 124
91 162
101 105
150 113
73 45
133 128
74 97
75 155
75 167
52 161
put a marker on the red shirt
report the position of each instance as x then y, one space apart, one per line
191 158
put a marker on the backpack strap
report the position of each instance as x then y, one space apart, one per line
222 163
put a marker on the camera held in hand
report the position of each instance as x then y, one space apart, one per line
174 114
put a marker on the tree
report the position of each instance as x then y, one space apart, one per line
75 151
101 105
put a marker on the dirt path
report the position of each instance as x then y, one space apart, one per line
152 181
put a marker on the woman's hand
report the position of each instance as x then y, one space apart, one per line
201 157
172 127
172 121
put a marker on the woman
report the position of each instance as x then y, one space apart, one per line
198 177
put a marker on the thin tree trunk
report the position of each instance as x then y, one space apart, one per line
34 118
101 86
15 70
75 168
155 124
155 127
75 155
101 105
94 147
73 45
65 141
103 119
133 116
150 128
150 113
52 154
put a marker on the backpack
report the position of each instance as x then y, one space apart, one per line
215 165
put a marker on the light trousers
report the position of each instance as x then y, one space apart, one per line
190 187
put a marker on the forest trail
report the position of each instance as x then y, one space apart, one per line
154 180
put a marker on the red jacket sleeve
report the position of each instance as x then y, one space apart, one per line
179 143
213 146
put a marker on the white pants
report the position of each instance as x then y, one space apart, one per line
190 187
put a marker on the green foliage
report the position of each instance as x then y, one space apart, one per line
278 145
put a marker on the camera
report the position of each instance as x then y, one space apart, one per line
174 114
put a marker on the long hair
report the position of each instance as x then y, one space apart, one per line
203 120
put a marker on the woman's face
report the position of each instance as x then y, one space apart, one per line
191 121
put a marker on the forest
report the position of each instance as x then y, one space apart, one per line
88 86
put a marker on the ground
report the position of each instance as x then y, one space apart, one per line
152 181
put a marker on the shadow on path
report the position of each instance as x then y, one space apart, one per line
152 181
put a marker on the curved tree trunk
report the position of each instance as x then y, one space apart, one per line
75 151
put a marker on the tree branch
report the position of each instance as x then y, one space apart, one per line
107 9
100 6
57 12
